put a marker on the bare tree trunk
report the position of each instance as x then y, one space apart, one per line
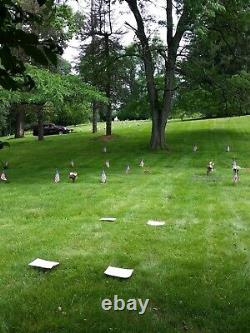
19 129
94 117
40 122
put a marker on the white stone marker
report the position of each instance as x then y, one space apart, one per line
103 177
123 273
141 164
40 263
155 223
73 176
3 177
108 219
57 177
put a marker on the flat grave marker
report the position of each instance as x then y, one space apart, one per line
108 219
123 273
41 263
156 223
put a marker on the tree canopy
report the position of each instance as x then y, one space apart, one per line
13 36
199 69
215 78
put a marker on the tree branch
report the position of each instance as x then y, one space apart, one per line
131 27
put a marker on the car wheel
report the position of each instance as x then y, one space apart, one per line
60 133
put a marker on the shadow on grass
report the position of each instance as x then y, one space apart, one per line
202 135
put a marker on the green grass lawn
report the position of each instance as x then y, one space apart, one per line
194 270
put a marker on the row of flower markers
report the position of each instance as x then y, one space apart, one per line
103 177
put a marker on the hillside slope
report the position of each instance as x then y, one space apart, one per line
194 270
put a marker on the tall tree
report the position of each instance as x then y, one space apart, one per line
189 12
103 42
56 22
93 27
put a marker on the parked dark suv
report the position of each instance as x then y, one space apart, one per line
51 129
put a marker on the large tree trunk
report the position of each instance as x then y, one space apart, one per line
160 116
94 117
19 129
40 122
158 137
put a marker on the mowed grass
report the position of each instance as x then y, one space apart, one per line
194 270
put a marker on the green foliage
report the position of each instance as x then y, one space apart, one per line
13 36
4 108
57 20
214 80
134 98
94 66
195 103
52 87
64 97
64 21
238 88
33 32
72 113
135 109
134 103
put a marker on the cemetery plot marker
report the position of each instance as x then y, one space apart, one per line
123 273
210 168
155 223
236 169
41 263
73 176
57 177
103 177
108 219
3 176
